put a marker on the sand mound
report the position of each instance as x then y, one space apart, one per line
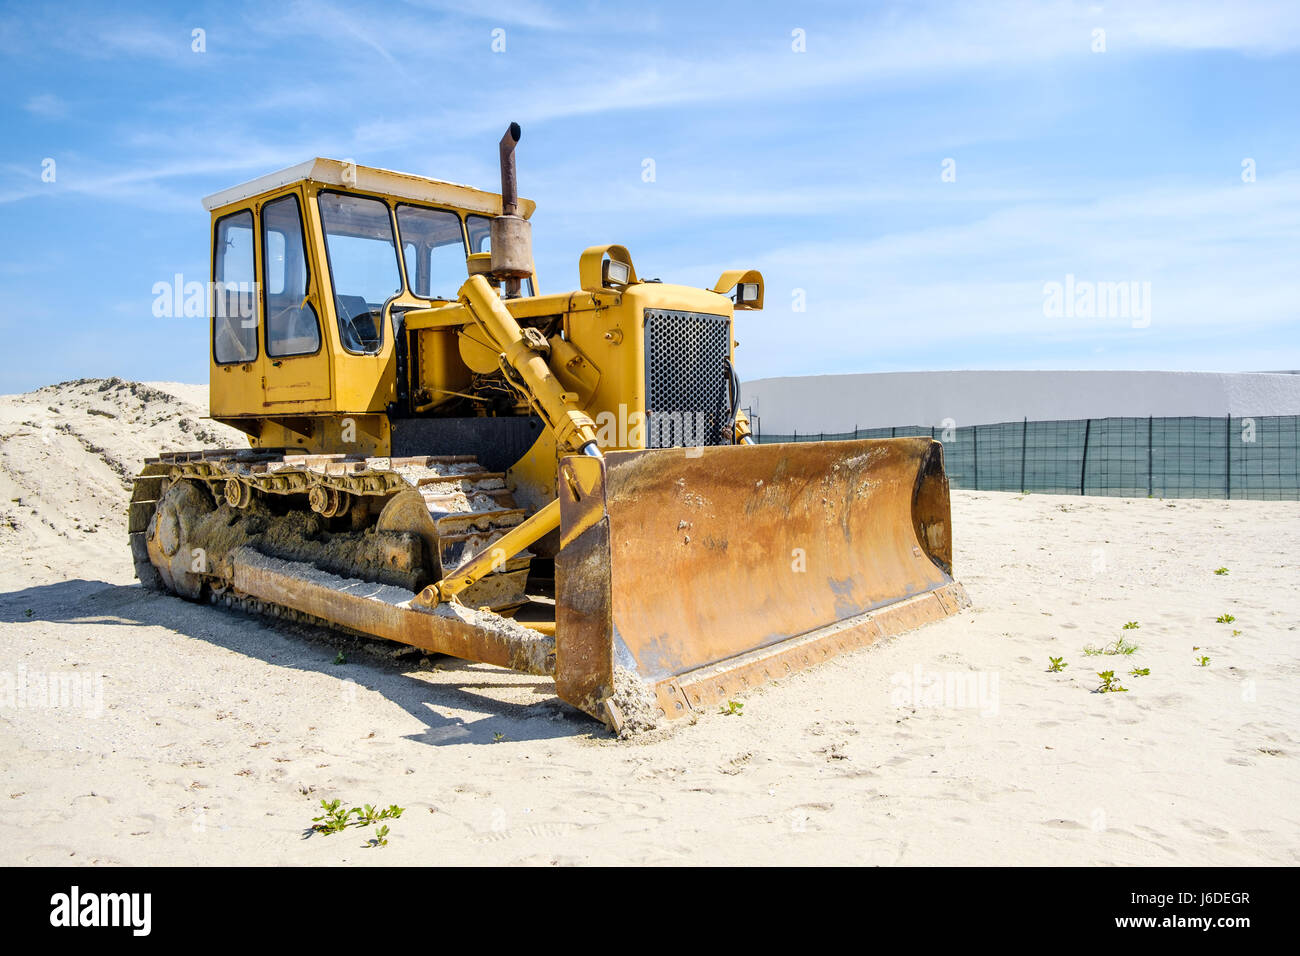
67 456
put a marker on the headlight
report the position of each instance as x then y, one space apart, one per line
617 273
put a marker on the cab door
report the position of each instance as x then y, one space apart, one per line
297 365
236 369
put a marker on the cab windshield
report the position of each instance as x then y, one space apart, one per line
363 266
366 272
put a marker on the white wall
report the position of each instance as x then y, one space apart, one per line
839 403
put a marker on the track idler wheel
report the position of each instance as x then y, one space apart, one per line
170 539
329 502
237 493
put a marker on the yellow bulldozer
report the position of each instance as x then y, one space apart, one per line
564 484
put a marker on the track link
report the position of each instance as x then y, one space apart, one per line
451 503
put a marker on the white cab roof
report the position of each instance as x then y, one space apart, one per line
335 172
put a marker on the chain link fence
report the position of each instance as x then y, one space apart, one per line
1248 457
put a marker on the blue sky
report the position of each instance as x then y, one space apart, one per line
822 167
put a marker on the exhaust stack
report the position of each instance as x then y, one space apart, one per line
512 240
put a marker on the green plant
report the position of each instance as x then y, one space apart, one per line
1057 664
340 659
370 815
1224 619
1121 646
1203 661
1110 683
335 819
1140 672
732 707
498 737
1236 633
1220 570
1132 626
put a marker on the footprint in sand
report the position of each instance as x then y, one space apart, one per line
1064 825
535 831
1206 830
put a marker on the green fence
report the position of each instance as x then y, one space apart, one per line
1248 457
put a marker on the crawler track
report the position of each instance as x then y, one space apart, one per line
401 521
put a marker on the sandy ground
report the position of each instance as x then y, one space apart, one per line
196 736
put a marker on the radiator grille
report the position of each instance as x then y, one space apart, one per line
688 377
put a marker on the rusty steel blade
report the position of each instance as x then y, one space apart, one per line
707 570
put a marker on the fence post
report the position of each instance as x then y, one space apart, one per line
1227 461
975 452
1024 429
1083 467
1151 478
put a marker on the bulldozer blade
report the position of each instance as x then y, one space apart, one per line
709 570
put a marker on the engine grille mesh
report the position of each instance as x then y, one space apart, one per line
687 379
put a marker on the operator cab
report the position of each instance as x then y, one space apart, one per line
313 268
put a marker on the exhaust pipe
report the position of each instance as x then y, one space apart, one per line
512 241
509 185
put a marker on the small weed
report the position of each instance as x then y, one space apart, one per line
1115 647
1203 661
1236 633
1057 664
1224 619
498 737
1132 626
1220 570
1140 672
371 815
1110 683
335 819
340 659
29 612
732 707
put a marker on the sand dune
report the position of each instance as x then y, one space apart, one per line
195 736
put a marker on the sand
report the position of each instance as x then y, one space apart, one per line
191 735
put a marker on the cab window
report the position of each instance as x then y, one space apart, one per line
433 248
291 324
234 305
363 265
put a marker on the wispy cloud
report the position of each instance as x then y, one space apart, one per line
46 106
523 13
1219 262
